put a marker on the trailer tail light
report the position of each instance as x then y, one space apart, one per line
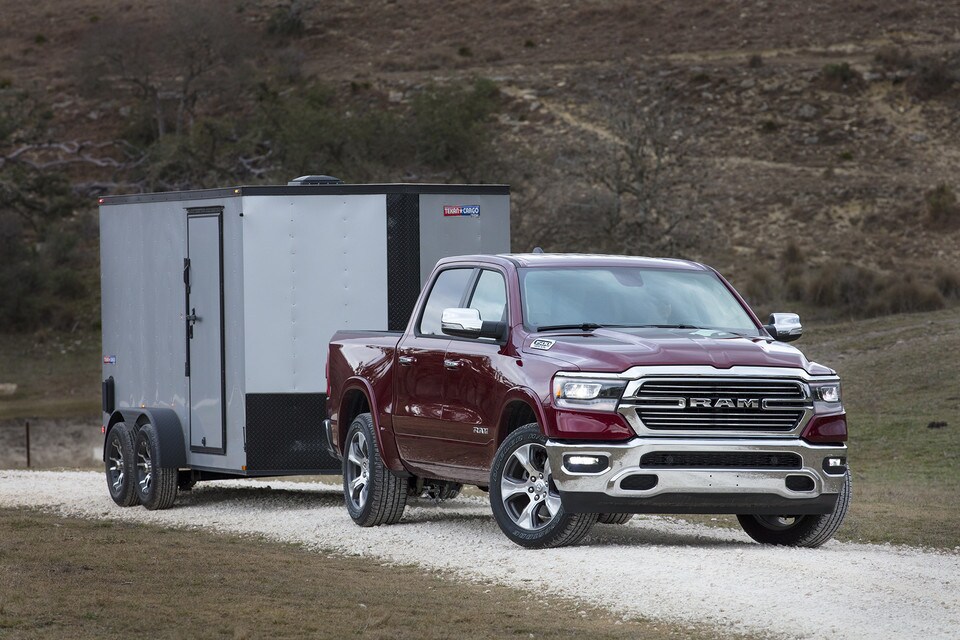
826 429
103 428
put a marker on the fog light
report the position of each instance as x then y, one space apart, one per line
585 463
835 465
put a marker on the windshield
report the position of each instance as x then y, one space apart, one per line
630 297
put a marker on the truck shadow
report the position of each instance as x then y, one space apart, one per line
249 496
637 534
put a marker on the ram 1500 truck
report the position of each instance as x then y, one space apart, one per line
578 389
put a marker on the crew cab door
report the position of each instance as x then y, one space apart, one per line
475 383
420 375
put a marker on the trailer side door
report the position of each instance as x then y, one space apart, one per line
203 278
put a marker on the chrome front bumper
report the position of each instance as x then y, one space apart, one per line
696 490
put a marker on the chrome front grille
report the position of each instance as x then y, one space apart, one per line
717 404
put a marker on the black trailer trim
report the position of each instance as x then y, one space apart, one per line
403 258
284 433
308 190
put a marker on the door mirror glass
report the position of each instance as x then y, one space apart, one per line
784 327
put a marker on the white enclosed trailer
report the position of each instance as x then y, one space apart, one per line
217 306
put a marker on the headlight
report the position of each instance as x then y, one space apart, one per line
596 394
826 397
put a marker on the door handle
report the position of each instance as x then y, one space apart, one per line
452 364
406 361
191 319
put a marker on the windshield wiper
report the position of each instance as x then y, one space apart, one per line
583 326
666 326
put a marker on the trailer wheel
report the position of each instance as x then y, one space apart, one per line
614 518
118 463
156 485
373 494
798 531
524 499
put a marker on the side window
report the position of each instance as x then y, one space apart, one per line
446 293
490 296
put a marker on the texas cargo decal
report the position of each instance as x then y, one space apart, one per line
461 210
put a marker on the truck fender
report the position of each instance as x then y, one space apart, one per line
385 439
173 450
527 397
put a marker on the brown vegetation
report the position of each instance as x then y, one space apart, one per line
720 132
87 579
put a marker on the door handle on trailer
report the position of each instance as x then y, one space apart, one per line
452 364
406 360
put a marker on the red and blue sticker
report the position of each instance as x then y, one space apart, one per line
461 210
109 359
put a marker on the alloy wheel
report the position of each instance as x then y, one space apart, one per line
358 470
529 495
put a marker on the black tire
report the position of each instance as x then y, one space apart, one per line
156 485
118 462
614 518
372 493
530 513
799 531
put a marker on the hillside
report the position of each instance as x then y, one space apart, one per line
808 150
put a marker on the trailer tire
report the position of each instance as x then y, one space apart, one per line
799 531
372 493
118 462
156 486
524 500
614 518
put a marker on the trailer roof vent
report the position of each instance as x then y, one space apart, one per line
304 181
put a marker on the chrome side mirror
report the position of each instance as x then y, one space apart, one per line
466 323
784 327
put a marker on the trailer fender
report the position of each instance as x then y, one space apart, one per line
385 439
173 451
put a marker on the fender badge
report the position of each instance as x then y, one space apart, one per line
542 343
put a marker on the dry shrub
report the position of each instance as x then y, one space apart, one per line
893 57
841 285
947 282
905 295
759 286
942 207
840 76
933 77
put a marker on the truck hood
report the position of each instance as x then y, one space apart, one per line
614 351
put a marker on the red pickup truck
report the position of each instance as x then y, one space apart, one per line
578 389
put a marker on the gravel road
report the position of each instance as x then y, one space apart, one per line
652 567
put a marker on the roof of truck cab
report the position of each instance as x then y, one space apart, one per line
593 260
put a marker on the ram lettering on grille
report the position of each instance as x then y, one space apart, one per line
720 405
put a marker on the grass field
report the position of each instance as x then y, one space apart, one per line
901 374
57 375
94 579
901 377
